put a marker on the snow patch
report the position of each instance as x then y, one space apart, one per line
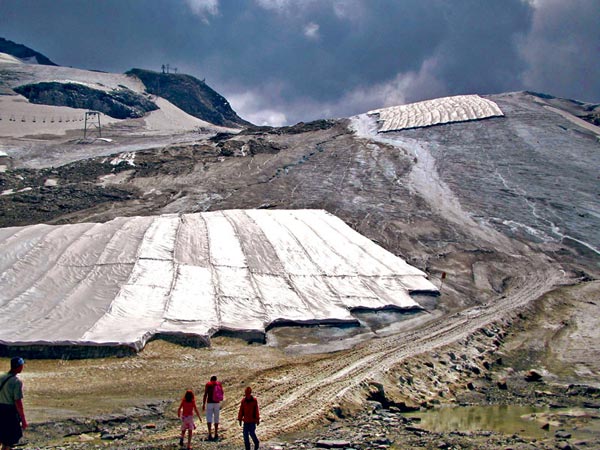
127 157
9 59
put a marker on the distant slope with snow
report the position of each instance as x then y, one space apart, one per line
23 53
20 117
124 281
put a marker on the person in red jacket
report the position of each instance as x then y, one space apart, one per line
250 415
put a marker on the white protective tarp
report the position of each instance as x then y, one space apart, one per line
121 282
458 108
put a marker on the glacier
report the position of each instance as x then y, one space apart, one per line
123 282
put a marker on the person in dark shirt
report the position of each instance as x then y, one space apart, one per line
12 414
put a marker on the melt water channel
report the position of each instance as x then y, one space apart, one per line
526 421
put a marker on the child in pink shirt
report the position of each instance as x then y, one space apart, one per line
186 411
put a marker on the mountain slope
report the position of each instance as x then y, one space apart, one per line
23 53
501 214
191 95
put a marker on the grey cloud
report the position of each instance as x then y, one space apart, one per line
303 60
563 49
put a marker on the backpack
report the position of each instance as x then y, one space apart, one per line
218 392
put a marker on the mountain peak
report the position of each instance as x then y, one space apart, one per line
191 95
24 53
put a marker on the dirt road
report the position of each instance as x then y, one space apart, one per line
297 395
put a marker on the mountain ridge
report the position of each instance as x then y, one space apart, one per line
191 95
23 52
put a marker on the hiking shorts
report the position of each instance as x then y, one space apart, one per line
10 425
212 412
187 423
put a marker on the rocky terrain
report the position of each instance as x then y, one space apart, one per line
120 104
500 213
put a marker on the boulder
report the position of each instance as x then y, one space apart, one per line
533 375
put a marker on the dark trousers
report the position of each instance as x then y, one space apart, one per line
250 432
10 425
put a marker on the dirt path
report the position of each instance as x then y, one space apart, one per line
295 396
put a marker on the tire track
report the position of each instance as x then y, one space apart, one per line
306 392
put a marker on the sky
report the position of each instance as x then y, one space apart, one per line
280 62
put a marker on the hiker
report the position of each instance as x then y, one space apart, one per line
186 410
250 416
211 403
12 415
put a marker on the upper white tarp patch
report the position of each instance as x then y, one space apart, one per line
121 282
459 108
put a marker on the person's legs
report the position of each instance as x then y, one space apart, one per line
181 438
216 414
250 432
246 435
253 436
209 418
189 439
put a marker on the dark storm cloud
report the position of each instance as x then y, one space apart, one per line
284 61
563 49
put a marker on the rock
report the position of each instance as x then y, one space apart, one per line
118 103
546 426
543 393
332 444
533 375
488 333
476 370
374 405
150 426
502 384
405 407
582 389
262 146
562 434
556 405
112 436
85 438
562 445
